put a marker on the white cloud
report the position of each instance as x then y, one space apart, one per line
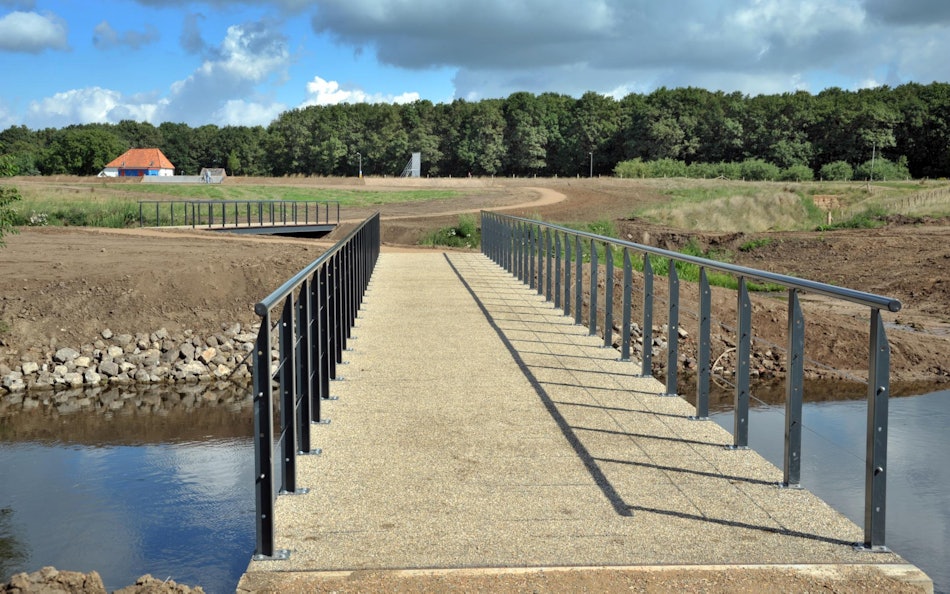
30 32
92 104
329 92
237 112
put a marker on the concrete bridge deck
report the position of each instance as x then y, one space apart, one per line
478 429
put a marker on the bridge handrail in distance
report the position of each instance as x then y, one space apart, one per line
235 213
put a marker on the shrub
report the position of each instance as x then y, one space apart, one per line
668 168
883 170
836 171
758 170
634 168
8 218
466 234
702 170
797 173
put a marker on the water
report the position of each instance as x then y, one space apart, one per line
164 485
168 493
918 485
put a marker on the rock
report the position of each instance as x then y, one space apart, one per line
29 367
82 361
159 335
109 369
170 355
194 368
123 339
207 355
13 381
142 376
222 371
73 378
149 585
91 377
683 334
107 334
114 351
65 355
187 351
50 581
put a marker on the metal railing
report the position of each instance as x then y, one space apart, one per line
543 256
223 214
311 315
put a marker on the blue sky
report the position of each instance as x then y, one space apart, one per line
230 62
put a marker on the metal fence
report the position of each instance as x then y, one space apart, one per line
551 259
305 325
223 214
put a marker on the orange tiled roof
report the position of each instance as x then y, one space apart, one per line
141 158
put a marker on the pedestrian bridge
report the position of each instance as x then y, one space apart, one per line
462 421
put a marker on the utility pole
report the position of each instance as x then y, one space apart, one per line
591 153
361 164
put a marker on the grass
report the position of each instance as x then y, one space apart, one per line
685 271
751 207
106 204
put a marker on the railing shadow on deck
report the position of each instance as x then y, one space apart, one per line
552 259
574 435
305 325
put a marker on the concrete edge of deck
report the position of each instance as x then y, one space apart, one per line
817 575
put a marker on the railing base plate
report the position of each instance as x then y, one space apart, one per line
695 418
321 421
299 491
281 555
313 452
795 486
735 447
331 398
872 549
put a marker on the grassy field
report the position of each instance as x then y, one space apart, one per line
110 204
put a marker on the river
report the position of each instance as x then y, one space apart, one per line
165 485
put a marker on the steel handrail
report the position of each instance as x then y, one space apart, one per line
525 248
314 312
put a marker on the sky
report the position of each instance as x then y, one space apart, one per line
228 62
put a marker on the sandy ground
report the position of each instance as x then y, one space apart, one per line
62 286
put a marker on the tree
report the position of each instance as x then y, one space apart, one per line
82 150
836 171
8 195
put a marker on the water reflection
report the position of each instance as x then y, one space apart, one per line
833 453
161 485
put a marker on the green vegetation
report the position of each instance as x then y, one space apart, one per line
754 244
466 234
680 132
111 205
8 218
870 218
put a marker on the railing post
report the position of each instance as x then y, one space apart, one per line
549 262
608 296
325 341
875 476
558 262
578 280
288 398
532 256
740 431
538 242
672 331
794 385
594 270
647 331
627 306
704 354
568 263
304 356
263 443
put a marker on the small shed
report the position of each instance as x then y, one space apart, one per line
139 162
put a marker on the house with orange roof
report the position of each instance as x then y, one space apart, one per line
139 162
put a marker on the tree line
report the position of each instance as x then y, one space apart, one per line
526 134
